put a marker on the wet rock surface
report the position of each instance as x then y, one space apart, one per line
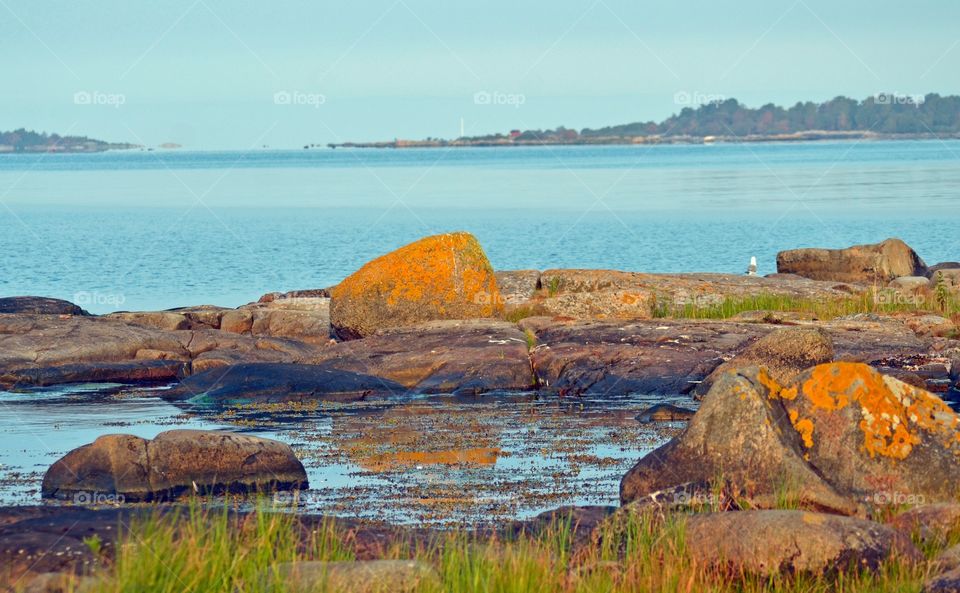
129 468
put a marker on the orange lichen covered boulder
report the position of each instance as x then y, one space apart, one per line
440 277
838 431
875 437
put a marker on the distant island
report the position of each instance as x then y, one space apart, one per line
29 141
884 116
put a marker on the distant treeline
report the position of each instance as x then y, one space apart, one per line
29 141
882 114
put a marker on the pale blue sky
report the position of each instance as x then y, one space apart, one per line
204 73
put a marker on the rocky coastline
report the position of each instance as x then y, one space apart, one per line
828 385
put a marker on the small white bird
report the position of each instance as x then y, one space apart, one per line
752 268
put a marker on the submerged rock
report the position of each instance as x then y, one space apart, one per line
665 413
126 468
439 277
866 264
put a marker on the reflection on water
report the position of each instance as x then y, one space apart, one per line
437 459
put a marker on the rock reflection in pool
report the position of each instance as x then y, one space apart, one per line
417 459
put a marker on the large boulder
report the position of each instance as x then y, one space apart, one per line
792 542
35 305
785 352
744 437
440 277
122 467
865 264
842 436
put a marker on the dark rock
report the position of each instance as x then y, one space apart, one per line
865 264
665 413
947 582
33 305
471 356
140 371
279 382
439 277
171 464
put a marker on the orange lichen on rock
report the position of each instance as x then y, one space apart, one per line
440 277
893 414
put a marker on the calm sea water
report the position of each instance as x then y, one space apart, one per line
148 230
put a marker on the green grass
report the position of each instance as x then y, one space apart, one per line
882 301
201 551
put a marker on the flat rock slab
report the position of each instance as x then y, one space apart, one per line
127 468
473 356
52 349
668 356
279 382
39 306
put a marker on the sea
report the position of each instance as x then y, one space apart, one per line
139 230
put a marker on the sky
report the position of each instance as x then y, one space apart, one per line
212 74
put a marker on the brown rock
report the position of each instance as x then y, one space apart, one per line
370 576
743 435
866 264
935 523
173 463
792 542
439 277
517 287
785 353
665 413
158 319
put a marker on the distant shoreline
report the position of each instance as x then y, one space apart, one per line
809 136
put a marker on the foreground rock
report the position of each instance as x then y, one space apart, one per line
744 436
841 437
792 542
371 576
129 468
785 353
34 305
439 277
865 264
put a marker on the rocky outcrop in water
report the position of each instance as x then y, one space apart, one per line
127 468
33 305
439 277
